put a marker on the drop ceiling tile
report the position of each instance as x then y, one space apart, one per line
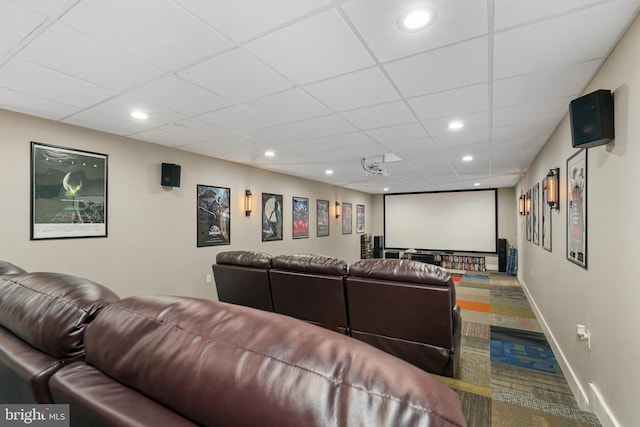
508 13
476 129
403 132
42 82
44 7
377 116
237 119
316 48
290 106
33 105
113 125
121 107
16 23
522 89
276 135
159 136
195 130
555 108
159 37
179 95
451 103
237 76
304 147
355 90
538 47
463 64
377 22
240 20
354 139
70 52
323 126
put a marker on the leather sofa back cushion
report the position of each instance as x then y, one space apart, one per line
260 368
309 263
246 258
50 310
401 270
8 268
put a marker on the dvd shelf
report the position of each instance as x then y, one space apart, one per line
462 262
366 246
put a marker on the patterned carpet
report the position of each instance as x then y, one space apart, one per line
508 375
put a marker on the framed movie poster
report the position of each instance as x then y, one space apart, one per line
271 217
214 220
68 193
346 218
577 208
546 217
527 208
535 213
300 217
359 218
322 218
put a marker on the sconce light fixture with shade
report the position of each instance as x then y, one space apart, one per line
527 203
521 202
248 202
553 189
338 210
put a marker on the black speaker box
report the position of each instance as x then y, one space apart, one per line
170 175
502 255
592 119
378 246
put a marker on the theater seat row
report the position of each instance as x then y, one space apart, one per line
406 308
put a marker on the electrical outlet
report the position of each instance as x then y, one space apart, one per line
209 278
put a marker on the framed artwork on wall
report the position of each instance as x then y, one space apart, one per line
527 204
577 208
300 215
68 193
545 235
322 218
214 219
535 213
359 218
346 218
271 217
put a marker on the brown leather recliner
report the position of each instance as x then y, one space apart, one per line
176 361
310 287
242 278
406 308
42 321
8 268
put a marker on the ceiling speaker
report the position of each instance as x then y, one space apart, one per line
592 119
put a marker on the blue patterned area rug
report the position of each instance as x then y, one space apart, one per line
525 349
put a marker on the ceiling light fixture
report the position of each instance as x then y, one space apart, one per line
269 153
467 158
456 125
329 172
476 184
140 115
416 19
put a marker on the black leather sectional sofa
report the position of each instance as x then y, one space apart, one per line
177 361
406 308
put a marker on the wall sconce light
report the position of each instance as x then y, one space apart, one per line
553 189
248 202
521 202
527 203
338 210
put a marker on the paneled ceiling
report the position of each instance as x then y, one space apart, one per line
321 84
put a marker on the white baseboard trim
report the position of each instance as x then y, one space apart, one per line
599 407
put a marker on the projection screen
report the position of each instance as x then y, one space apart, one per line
458 221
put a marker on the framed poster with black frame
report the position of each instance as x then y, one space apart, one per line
577 208
527 204
271 217
346 218
535 213
68 193
300 215
359 218
546 217
214 218
322 218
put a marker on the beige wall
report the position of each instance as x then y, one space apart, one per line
151 246
604 297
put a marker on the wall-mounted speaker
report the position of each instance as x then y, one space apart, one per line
170 175
592 119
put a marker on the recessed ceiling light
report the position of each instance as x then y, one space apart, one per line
140 115
476 184
385 189
269 153
455 125
467 158
329 172
416 19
